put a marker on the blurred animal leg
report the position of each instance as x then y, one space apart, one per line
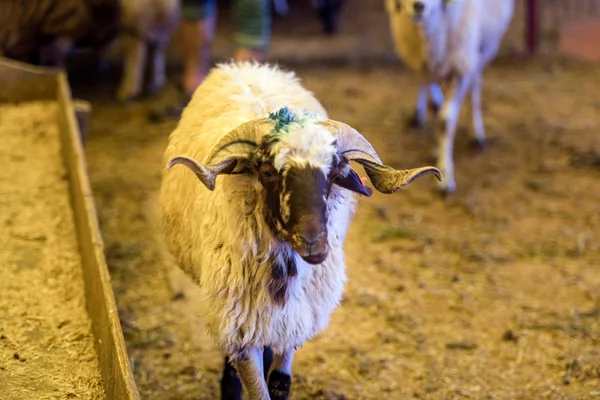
329 12
419 118
134 65
198 24
158 77
478 127
437 98
449 121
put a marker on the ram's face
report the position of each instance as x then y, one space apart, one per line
298 158
418 10
297 169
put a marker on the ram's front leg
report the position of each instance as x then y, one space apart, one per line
231 386
249 366
447 132
280 377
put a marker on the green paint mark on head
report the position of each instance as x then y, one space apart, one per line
283 118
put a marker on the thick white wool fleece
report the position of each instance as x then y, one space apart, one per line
221 240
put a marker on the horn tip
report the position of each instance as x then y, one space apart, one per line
174 161
427 171
436 172
179 160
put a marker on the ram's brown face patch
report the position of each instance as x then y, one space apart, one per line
304 206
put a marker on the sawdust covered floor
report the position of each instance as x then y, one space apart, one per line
491 294
46 344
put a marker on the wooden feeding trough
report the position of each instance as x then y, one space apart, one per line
52 252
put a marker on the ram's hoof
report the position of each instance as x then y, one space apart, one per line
279 385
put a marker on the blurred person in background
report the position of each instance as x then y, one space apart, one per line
252 21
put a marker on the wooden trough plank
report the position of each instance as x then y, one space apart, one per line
101 305
22 82
82 110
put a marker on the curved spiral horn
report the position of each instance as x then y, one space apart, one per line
230 155
240 141
354 147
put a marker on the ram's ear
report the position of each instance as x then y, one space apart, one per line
208 173
353 182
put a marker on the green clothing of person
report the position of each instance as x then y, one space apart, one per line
252 20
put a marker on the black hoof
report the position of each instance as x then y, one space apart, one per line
231 386
267 360
413 121
279 385
434 108
478 144
446 192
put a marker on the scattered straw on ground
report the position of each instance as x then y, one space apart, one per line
46 343
493 293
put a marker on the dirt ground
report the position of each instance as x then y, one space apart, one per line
493 293
46 342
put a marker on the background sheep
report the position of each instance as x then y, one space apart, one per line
449 41
147 28
265 244
41 32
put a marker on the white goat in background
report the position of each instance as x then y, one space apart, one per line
265 243
449 41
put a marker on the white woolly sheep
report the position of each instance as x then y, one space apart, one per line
264 243
449 41
147 27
